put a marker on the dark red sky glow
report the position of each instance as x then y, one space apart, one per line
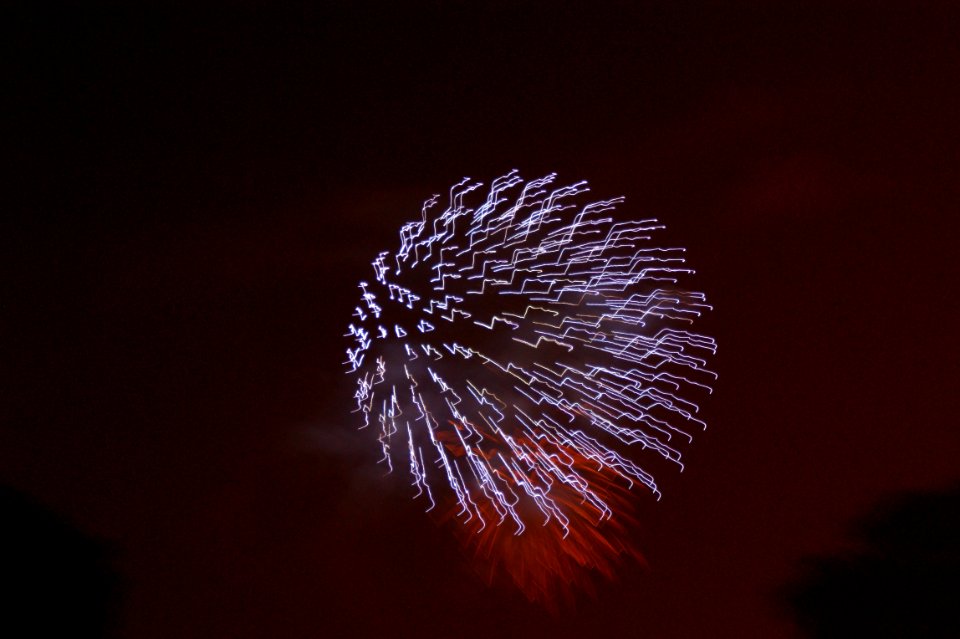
197 190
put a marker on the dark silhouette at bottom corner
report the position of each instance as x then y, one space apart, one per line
58 581
901 580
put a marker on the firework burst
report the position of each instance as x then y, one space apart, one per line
511 354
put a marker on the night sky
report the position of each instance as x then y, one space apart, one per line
193 193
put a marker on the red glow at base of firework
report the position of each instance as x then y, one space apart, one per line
546 562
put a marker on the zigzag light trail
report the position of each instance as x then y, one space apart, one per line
510 356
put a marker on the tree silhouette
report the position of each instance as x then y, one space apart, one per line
57 581
903 580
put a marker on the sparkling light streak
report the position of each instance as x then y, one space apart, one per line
509 357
